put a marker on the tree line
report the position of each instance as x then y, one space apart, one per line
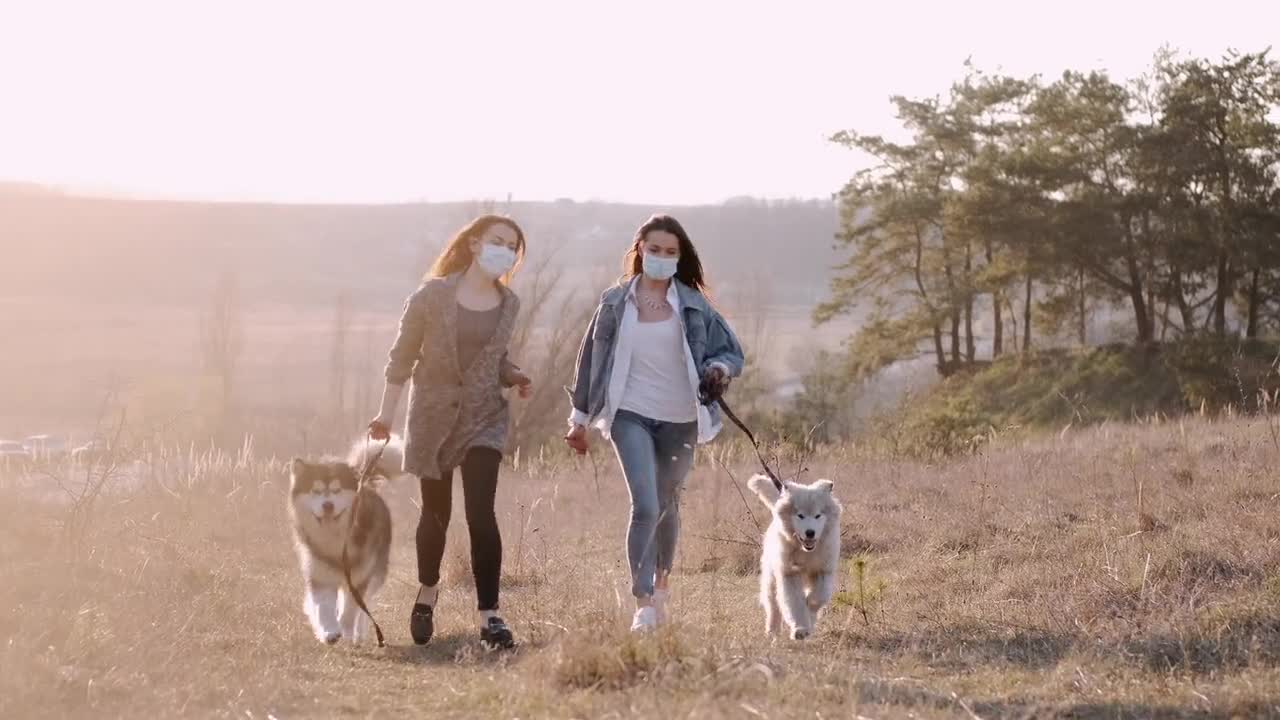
1019 204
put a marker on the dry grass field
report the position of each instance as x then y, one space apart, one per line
1025 581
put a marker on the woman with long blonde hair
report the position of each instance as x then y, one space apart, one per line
452 343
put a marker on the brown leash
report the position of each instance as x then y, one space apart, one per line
356 595
712 394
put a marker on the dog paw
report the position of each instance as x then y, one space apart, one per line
800 633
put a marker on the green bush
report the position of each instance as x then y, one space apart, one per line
1052 388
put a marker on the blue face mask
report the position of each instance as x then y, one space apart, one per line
659 268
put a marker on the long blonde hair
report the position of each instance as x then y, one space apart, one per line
457 255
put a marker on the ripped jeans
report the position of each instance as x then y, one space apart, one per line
655 457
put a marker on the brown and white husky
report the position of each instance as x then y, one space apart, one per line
321 502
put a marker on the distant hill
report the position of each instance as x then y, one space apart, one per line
169 252
98 293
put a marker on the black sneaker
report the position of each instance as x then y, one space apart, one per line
496 635
421 626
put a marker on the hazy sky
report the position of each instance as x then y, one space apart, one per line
659 102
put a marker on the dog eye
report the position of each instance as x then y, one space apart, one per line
818 516
800 515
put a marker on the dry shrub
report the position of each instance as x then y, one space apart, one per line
1190 567
1184 476
1223 639
618 660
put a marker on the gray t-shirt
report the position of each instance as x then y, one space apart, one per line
475 329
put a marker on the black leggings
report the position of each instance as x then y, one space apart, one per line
479 487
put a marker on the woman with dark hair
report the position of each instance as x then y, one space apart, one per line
453 344
654 340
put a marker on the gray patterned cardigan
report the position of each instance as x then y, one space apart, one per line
451 408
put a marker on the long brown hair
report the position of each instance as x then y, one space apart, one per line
457 255
688 268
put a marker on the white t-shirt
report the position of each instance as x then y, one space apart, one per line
624 348
657 385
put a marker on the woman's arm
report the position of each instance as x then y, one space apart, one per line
403 357
510 375
407 348
723 349
581 391
508 372
380 426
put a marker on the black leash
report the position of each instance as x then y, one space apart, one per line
370 463
710 393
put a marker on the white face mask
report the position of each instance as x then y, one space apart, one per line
496 260
659 268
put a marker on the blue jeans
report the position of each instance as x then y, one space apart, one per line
655 457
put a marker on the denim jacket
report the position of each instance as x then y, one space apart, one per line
708 340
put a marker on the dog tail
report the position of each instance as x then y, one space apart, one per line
762 485
390 465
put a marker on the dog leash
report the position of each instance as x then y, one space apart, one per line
712 393
370 463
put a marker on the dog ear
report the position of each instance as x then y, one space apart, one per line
825 485
298 469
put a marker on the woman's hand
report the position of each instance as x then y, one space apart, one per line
522 383
379 429
576 438
715 380
380 426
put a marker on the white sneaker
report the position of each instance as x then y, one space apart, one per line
660 599
645 620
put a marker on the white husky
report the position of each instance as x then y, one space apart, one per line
321 498
801 553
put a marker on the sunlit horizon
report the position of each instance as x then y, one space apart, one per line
406 102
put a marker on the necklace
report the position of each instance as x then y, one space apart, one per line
653 304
